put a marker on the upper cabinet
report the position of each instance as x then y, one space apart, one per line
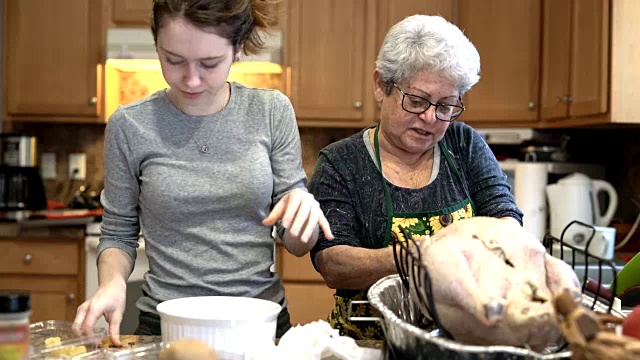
507 36
392 11
52 51
575 59
544 63
131 13
329 61
625 61
331 57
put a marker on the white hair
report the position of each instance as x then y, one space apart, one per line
428 43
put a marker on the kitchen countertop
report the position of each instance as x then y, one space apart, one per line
134 340
57 224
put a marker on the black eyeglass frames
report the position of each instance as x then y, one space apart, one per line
417 105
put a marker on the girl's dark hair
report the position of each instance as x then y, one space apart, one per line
234 20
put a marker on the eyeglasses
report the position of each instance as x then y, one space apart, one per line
417 105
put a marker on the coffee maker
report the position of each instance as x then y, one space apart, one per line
21 186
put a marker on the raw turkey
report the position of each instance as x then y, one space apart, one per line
493 283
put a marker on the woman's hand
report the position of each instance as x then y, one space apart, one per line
511 220
301 215
108 300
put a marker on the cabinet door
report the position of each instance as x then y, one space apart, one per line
34 256
52 53
292 268
52 298
390 12
132 12
556 60
575 58
507 36
329 53
308 302
589 58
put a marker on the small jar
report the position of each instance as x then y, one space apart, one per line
15 308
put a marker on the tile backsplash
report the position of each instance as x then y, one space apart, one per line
618 149
65 139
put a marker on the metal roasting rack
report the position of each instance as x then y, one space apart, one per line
415 277
589 260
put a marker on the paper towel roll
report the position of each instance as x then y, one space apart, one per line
529 183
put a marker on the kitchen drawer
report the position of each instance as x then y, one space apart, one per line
52 297
292 268
308 302
50 257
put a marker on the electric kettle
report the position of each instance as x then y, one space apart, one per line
575 197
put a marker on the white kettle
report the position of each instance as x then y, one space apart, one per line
575 197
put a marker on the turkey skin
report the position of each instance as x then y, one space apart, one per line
493 283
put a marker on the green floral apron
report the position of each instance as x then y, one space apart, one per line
419 224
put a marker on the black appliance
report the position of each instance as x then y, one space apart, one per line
21 186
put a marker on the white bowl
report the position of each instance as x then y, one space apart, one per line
228 324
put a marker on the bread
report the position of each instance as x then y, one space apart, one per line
187 349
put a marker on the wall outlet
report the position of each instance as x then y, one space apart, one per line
48 166
77 166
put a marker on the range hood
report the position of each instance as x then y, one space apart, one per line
137 43
132 69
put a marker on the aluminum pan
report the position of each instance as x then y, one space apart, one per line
400 315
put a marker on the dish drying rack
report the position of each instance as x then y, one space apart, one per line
415 276
589 259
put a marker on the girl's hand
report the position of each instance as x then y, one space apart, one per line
301 215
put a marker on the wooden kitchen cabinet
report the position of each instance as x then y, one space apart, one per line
575 58
330 57
132 13
329 61
308 302
507 36
52 50
595 66
308 297
390 12
51 269
52 298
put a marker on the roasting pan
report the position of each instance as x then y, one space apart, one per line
409 335
408 338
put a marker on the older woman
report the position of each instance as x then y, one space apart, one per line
416 168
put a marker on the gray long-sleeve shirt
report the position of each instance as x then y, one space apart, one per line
200 213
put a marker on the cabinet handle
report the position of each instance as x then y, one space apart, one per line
564 99
71 296
93 100
531 105
357 104
27 259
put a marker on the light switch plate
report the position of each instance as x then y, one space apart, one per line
77 166
48 166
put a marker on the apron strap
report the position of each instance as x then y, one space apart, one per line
447 155
387 197
390 213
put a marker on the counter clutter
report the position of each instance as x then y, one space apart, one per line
129 341
366 349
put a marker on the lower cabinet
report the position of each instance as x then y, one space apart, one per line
52 298
308 302
51 269
309 299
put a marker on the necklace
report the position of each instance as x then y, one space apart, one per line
203 147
